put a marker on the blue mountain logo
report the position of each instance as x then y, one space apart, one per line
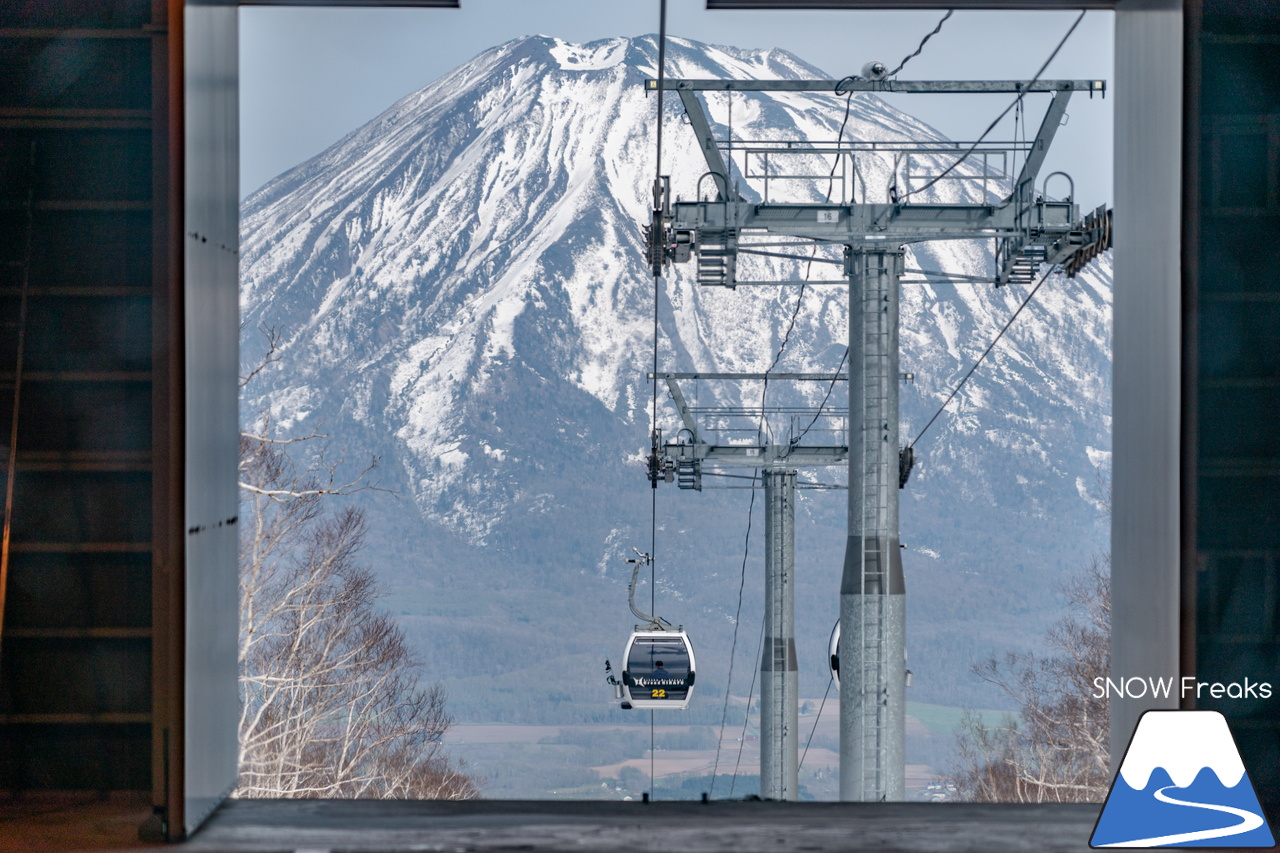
1182 784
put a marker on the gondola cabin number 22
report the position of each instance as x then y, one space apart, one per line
659 670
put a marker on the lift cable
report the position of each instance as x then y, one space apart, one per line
830 682
760 430
786 338
653 430
796 440
795 313
986 352
751 692
839 136
928 36
657 283
998 118
737 619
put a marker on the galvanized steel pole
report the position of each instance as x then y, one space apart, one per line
872 591
779 677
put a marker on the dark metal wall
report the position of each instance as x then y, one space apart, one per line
119 222
123 527
80 97
1233 416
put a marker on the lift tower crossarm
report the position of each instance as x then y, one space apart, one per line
776 466
795 377
857 223
701 453
707 142
1024 187
1028 231
685 415
986 87
756 456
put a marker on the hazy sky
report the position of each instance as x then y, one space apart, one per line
309 76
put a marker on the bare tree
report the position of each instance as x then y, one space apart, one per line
1056 749
331 699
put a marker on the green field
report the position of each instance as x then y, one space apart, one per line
943 719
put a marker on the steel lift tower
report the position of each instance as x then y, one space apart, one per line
698 446
1028 230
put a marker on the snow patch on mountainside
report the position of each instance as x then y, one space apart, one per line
460 290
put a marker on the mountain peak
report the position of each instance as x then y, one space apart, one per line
460 289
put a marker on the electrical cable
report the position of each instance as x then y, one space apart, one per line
985 353
786 338
839 137
830 178
830 682
751 692
760 429
795 441
737 619
657 283
930 35
993 124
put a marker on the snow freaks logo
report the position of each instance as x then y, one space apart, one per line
1162 688
1182 784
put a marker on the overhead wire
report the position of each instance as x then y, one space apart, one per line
985 353
760 430
737 620
1022 94
657 283
839 136
1017 103
823 704
751 692
839 90
848 104
923 42
831 387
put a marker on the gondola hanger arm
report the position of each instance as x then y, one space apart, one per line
637 562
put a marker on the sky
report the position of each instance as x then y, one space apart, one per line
309 76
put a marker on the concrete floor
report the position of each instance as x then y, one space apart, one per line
687 827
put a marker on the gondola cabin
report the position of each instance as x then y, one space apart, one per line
833 654
833 657
659 670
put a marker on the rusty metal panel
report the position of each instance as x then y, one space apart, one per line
211 350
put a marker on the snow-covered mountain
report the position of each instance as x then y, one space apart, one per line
460 290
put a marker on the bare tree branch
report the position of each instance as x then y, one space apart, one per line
273 345
1057 749
332 702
